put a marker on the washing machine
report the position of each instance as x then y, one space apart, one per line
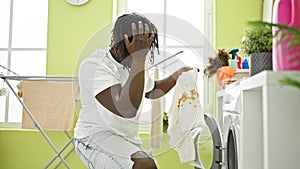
231 110
224 130
225 145
231 140
217 147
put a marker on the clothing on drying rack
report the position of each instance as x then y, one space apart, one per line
50 91
156 119
51 102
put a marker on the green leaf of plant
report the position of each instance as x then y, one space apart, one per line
282 38
290 81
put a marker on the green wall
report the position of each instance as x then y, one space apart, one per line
231 18
29 150
69 28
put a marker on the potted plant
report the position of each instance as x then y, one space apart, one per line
294 40
257 43
165 122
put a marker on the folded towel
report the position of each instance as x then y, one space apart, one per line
225 72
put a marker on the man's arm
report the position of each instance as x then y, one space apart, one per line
163 86
125 101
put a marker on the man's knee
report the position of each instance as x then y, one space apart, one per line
144 163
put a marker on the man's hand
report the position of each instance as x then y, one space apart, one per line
163 86
176 74
141 42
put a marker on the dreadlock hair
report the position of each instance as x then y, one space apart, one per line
123 26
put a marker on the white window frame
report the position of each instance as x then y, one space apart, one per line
209 88
120 6
9 50
268 10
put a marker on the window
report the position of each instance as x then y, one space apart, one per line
182 26
267 10
23 46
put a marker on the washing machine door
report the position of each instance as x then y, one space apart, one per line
231 149
217 142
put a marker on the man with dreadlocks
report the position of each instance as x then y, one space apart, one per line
113 83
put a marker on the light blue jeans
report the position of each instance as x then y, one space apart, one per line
106 151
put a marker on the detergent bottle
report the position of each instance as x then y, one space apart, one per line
235 59
245 64
286 12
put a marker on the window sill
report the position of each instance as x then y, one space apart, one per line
143 129
10 126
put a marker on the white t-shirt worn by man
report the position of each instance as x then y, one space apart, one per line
96 73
